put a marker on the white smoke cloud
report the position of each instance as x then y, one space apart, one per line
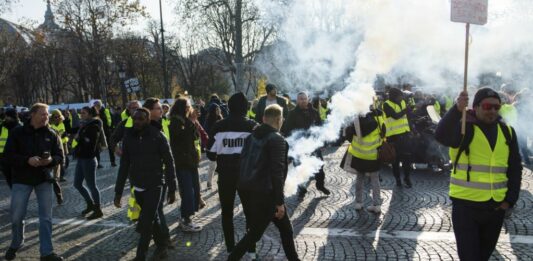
327 44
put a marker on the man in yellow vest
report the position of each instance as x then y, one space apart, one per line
57 123
395 111
486 175
11 121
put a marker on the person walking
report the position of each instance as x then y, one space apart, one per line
11 121
398 131
214 114
148 163
33 150
269 99
361 158
264 166
487 172
183 142
86 149
107 122
303 117
226 139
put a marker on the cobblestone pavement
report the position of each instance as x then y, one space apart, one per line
415 223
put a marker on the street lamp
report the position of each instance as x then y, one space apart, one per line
122 76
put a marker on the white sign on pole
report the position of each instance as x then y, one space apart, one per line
470 11
132 85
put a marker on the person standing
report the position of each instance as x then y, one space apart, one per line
57 123
398 131
11 121
264 166
361 158
303 117
148 163
107 122
86 149
270 99
487 172
183 142
213 115
33 150
226 139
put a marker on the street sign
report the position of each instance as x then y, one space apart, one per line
132 85
470 11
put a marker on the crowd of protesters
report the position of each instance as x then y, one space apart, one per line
160 147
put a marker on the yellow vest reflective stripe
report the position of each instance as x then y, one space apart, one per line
123 115
166 131
509 114
4 132
134 209
396 126
198 147
323 112
60 129
129 123
108 117
366 148
481 175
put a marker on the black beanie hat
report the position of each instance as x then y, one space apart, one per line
485 93
238 104
12 113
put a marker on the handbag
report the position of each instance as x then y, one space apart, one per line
386 152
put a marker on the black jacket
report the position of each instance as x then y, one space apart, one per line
25 142
271 170
261 106
448 133
145 155
88 136
183 133
226 140
300 119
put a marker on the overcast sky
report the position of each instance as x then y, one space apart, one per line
35 9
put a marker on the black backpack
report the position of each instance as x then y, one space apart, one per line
251 154
467 139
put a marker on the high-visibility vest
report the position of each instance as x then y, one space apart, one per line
366 148
250 114
123 115
323 112
129 123
396 126
4 133
509 114
437 107
198 147
60 129
134 209
449 103
109 121
481 175
165 123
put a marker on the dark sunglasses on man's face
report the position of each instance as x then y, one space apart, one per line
489 106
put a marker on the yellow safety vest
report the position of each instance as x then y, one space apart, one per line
123 115
366 148
396 126
449 103
134 209
129 123
198 147
250 114
509 114
165 123
4 133
108 117
60 129
323 112
437 107
481 175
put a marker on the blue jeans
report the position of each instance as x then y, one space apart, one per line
189 191
20 194
86 170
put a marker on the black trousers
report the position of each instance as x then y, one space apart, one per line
262 209
403 154
161 214
149 223
227 189
6 170
476 231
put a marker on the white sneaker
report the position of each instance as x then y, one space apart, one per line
189 226
358 206
375 209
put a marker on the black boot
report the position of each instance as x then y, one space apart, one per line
97 213
398 182
89 209
408 183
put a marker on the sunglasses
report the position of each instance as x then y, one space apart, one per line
489 106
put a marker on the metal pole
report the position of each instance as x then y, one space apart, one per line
164 61
463 125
